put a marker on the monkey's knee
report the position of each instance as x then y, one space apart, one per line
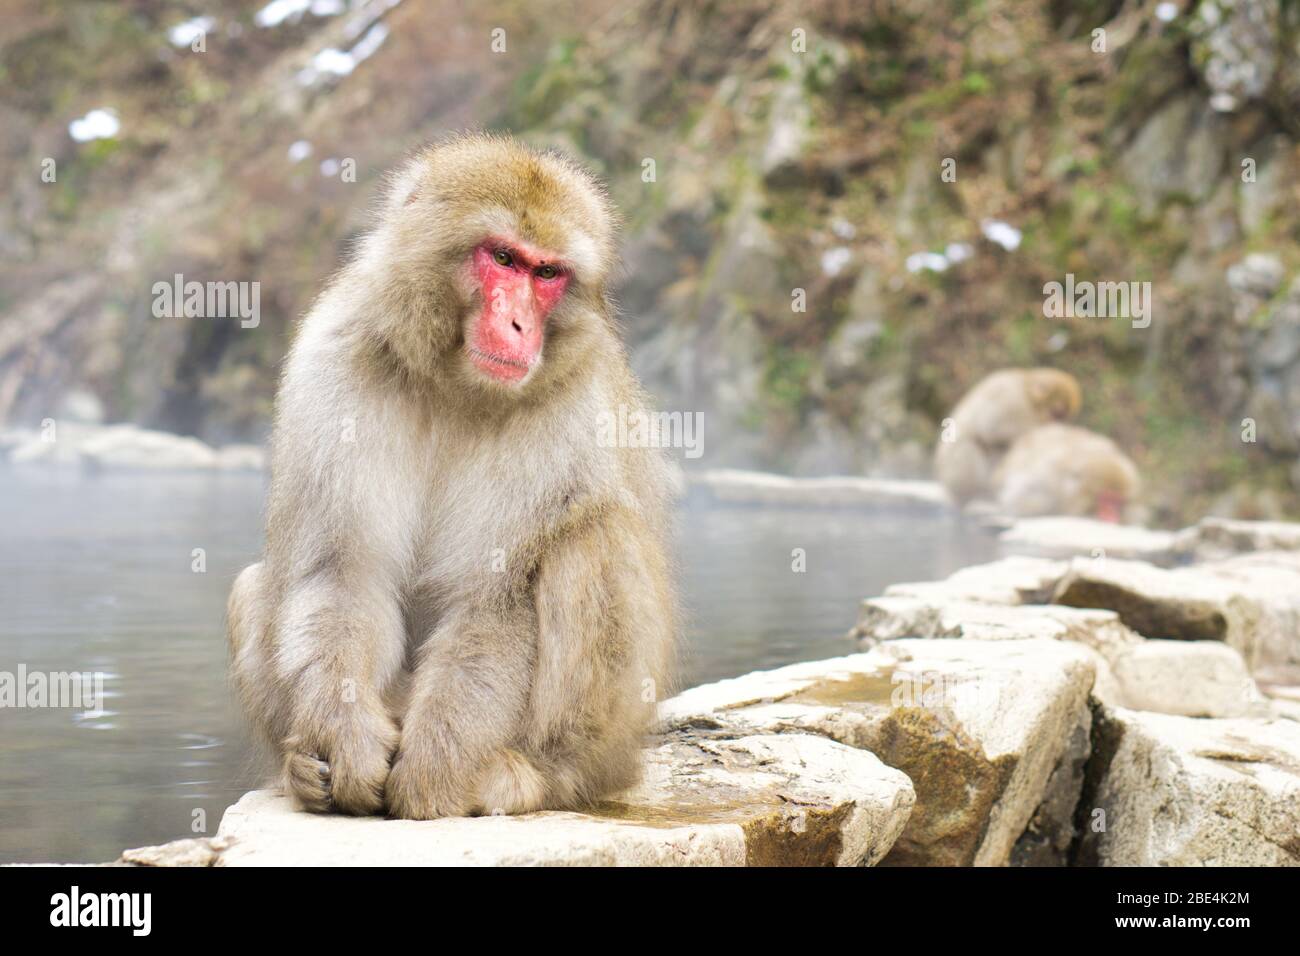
586 772
511 784
258 692
244 611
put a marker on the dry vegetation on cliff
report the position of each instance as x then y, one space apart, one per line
774 170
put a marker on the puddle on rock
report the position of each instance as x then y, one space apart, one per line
874 688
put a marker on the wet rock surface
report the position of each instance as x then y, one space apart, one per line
791 800
1176 791
1193 747
1250 602
980 727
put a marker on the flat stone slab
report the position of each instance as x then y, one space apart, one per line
1188 679
1070 537
1191 678
993 735
762 488
1178 791
1250 602
1223 537
1013 580
888 618
789 800
1208 540
123 448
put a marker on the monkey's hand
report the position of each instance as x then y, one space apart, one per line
340 763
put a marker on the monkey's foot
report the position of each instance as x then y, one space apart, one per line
511 784
346 777
307 778
423 788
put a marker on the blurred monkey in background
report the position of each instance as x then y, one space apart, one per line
1065 470
993 415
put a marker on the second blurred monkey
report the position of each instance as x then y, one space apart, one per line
1064 470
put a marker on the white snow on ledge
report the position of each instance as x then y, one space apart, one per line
1003 234
335 62
97 124
183 34
952 254
280 11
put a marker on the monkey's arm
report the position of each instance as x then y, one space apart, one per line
337 645
337 631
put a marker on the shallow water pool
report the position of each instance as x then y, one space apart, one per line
97 573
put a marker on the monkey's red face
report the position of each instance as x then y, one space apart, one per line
1110 506
521 284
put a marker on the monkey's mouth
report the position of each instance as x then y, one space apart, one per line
499 366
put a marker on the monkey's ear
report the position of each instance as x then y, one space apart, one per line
1039 391
403 187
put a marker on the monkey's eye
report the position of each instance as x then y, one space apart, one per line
547 272
503 258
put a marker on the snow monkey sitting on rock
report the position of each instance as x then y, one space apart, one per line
990 417
465 602
1064 470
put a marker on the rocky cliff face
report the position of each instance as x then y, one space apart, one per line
838 218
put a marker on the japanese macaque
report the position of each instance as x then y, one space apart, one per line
465 602
991 416
1064 470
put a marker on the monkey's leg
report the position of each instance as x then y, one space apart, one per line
468 694
606 627
338 645
260 693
